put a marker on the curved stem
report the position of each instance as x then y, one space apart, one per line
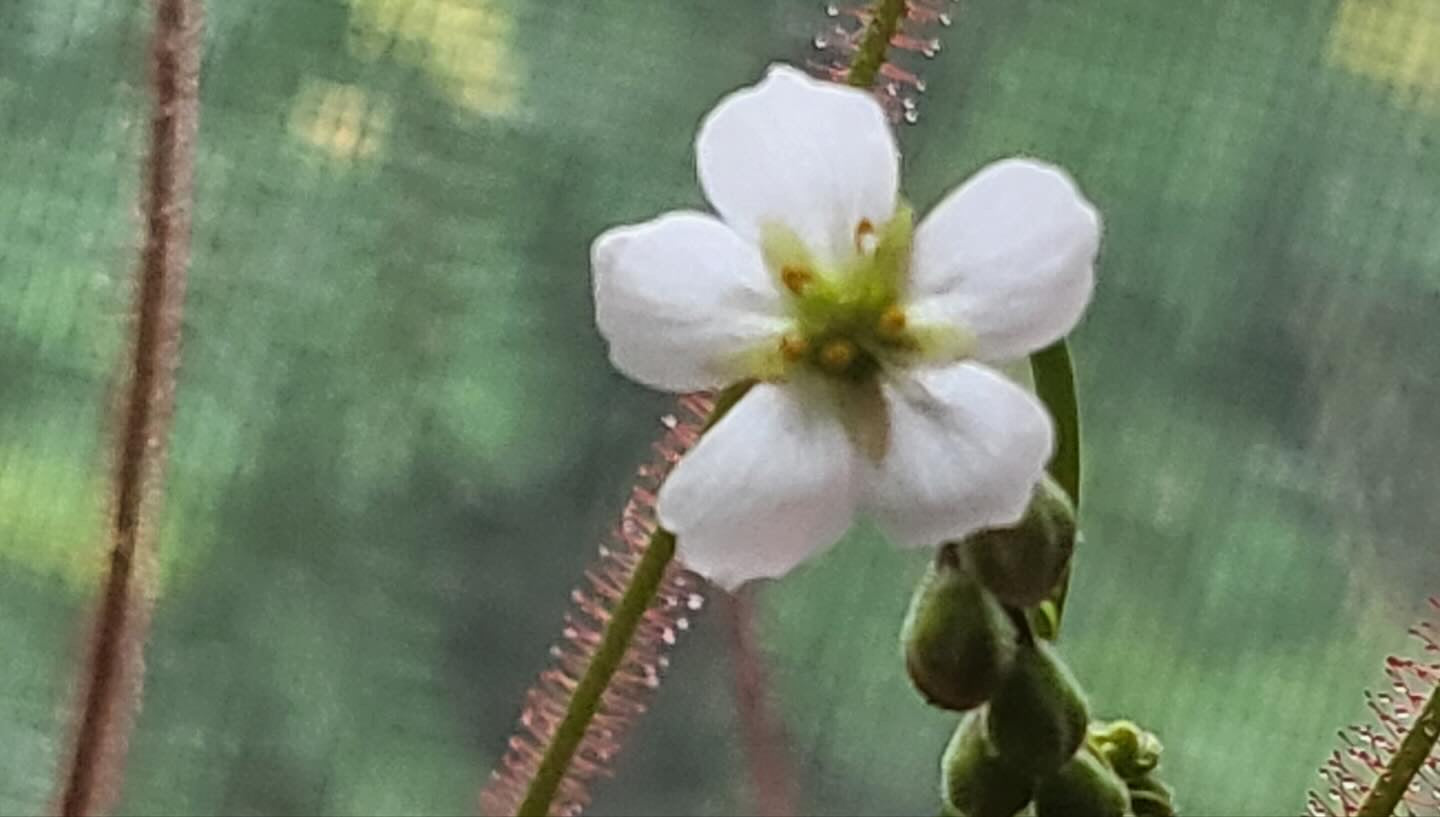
1054 373
1392 785
875 43
1055 385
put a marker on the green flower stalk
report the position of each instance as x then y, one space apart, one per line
1053 370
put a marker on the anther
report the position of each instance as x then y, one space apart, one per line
892 323
794 348
837 355
865 239
796 278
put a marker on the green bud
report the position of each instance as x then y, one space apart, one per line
1130 750
1023 564
957 639
1151 798
1038 716
1084 787
977 782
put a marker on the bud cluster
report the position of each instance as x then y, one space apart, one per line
1026 738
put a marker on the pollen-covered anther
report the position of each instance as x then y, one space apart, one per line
892 323
796 278
794 348
865 239
837 355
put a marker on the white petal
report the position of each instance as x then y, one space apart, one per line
966 448
1009 257
680 298
813 156
772 484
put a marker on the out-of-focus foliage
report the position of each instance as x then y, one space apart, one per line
398 434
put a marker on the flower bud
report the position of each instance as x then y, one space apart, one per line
1131 751
957 639
1022 564
1084 787
977 782
1038 716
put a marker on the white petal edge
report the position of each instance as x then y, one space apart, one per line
966 448
1009 257
680 298
768 487
813 156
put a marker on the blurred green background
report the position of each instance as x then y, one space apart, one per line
398 438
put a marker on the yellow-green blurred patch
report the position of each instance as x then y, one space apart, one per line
1395 41
463 45
52 511
50 514
346 122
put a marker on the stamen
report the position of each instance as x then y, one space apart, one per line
891 325
837 355
796 278
794 348
865 239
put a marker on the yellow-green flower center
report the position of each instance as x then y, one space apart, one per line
848 320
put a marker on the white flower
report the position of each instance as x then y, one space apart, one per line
863 334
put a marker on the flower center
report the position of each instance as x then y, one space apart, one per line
848 320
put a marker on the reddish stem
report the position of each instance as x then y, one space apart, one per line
762 733
112 676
